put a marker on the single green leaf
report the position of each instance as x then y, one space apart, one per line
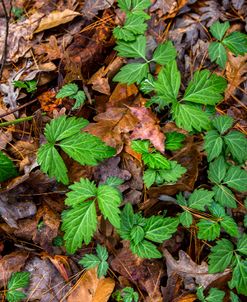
102 269
239 277
63 127
67 90
242 244
145 249
186 219
131 73
137 234
217 170
149 177
223 123
86 149
102 252
217 53
114 181
52 163
174 140
205 88
234 297
136 49
135 23
213 144
230 226
31 85
224 196
221 256
164 53
140 146
190 117
218 29
172 174
109 199
156 161
215 295
200 198
79 224
168 83
236 42
208 229
236 178
80 191
7 168
80 98
15 296
217 210
89 261
127 221
237 145
159 229
121 33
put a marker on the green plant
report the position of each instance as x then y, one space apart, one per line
99 261
214 295
17 12
159 170
7 168
72 91
224 255
65 132
236 42
127 294
141 232
16 282
79 222
30 86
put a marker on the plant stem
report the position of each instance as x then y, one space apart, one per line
19 120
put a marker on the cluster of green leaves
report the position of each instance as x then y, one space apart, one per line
7 168
141 231
29 86
17 282
72 91
159 170
214 295
224 254
79 222
236 42
99 260
127 294
65 132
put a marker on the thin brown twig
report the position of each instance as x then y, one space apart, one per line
5 47
18 108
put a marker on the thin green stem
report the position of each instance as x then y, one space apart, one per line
19 120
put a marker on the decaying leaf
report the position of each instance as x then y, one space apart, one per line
91 289
92 7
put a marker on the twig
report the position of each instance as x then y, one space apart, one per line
5 47
18 108
19 120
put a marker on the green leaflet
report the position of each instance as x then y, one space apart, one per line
145 249
7 168
239 277
236 42
222 123
236 178
200 198
217 170
217 53
208 230
140 146
131 73
156 161
224 196
16 282
218 29
237 145
174 140
213 295
30 86
136 49
72 91
164 53
242 244
186 219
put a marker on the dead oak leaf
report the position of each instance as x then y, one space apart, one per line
148 128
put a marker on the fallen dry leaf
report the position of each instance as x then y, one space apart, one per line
92 7
91 289
122 95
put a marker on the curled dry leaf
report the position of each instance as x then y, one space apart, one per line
92 7
56 18
91 289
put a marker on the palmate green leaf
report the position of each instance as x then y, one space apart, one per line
136 49
236 42
156 161
121 33
221 256
145 249
205 88
217 170
17 281
109 199
79 224
174 140
236 178
200 198
131 73
224 196
213 144
137 234
168 83
164 53
242 244
63 127
86 149
127 221
52 163
135 23
80 98
80 191
67 90
215 295
230 226
7 168
208 229
149 177
140 146
237 145
186 219
159 229
239 277
190 117
217 53
218 29
222 123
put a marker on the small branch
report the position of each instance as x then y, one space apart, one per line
19 120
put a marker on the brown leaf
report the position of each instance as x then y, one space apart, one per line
122 95
189 270
11 263
91 289
92 7
56 18
148 127
50 48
